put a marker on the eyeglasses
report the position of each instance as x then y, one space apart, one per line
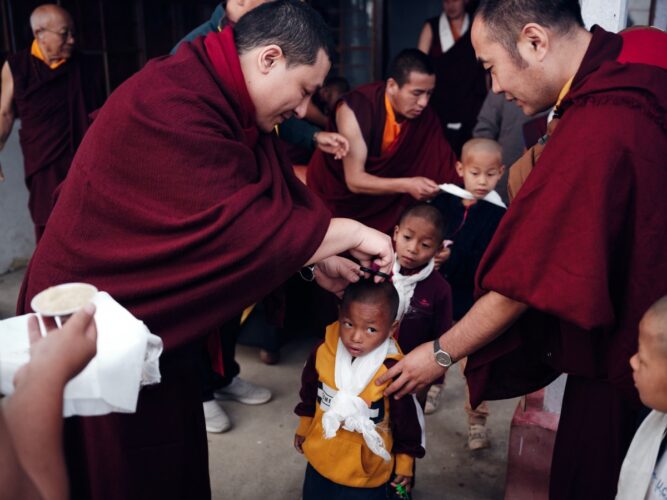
63 34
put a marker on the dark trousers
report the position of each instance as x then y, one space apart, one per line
210 380
318 487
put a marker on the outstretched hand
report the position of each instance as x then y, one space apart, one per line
422 188
332 143
374 247
412 373
64 352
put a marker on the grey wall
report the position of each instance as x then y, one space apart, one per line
17 239
405 20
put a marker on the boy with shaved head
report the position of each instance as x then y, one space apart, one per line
51 89
644 471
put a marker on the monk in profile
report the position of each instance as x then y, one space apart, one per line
51 89
398 154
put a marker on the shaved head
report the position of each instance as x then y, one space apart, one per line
655 320
481 145
48 15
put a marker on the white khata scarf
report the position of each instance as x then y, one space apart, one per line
405 285
492 197
640 460
445 31
346 406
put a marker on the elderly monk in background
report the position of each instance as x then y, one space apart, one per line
580 254
52 89
181 205
398 154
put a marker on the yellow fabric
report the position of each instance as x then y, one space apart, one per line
37 52
304 425
564 91
404 464
346 459
391 127
246 313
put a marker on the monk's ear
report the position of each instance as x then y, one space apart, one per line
268 57
533 42
501 170
394 328
395 232
459 168
392 86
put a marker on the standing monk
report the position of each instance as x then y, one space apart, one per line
182 206
397 151
52 89
460 87
580 254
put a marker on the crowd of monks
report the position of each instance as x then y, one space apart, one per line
180 201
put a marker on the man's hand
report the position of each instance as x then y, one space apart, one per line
64 352
332 143
298 443
422 188
335 273
374 247
414 371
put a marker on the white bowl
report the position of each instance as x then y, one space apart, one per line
63 299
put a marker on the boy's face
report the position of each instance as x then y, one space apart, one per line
364 326
481 171
417 240
649 365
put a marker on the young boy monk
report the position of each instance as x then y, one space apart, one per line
644 470
472 216
425 309
353 437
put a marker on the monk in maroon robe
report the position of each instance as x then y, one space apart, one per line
579 256
397 155
461 86
53 89
181 205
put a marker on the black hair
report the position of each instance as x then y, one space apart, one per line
338 82
407 61
428 213
369 292
292 25
505 19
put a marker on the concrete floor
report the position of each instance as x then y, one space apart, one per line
255 459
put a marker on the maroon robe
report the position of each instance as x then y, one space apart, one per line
179 207
419 150
584 244
53 105
460 87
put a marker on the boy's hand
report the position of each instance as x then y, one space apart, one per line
403 481
442 256
298 442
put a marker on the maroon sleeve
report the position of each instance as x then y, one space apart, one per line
405 423
308 392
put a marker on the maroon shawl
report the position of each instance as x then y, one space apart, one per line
420 150
180 208
53 106
583 244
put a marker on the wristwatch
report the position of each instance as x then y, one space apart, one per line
441 357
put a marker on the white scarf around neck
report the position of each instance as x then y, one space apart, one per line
491 197
346 406
405 285
640 460
446 36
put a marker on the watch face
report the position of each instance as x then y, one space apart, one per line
443 359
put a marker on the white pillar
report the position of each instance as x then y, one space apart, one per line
612 15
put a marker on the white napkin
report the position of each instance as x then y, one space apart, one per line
127 358
491 197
